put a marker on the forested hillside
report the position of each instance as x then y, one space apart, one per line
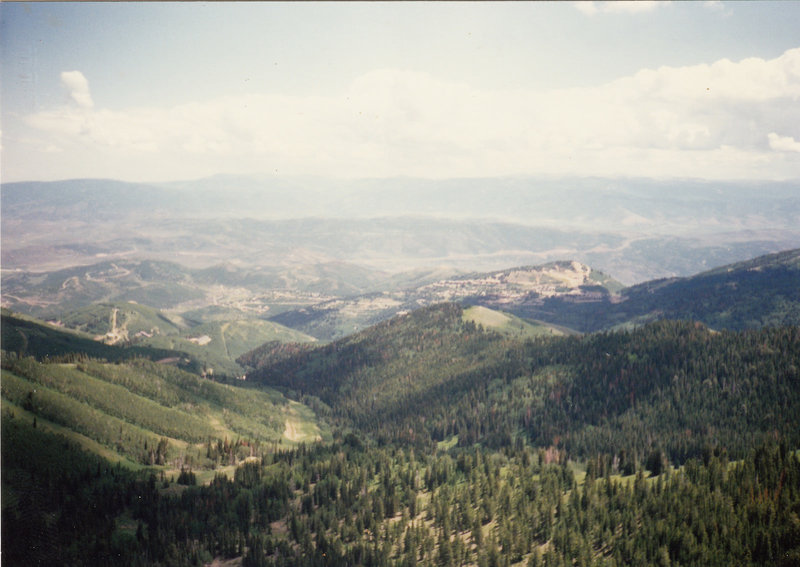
25 336
454 440
672 386
148 413
761 292
351 503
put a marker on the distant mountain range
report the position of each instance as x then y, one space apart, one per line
598 203
636 229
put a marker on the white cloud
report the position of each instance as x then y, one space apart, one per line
632 6
783 143
588 8
714 5
619 7
712 121
78 88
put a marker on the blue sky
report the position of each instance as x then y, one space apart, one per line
163 91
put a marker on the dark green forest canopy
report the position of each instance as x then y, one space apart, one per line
761 292
676 386
351 502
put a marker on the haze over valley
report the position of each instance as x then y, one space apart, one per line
633 229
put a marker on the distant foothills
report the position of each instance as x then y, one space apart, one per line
230 310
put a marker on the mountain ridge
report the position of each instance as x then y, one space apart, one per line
433 374
499 289
748 294
575 296
625 198
636 229
751 294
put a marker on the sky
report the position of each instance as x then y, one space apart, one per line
158 91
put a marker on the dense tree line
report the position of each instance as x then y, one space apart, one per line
672 386
352 502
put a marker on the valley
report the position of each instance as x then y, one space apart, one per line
349 389
448 434
353 236
565 294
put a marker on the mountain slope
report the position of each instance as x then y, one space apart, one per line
429 375
50 294
149 413
217 345
121 322
121 331
202 294
747 295
761 292
25 336
508 290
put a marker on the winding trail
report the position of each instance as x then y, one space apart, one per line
222 329
290 432
113 330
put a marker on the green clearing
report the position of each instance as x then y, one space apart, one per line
508 324
447 444
302 426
